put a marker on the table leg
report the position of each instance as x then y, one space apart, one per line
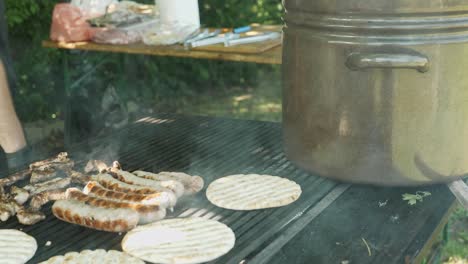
67 101
73 130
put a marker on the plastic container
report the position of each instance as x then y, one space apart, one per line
179 11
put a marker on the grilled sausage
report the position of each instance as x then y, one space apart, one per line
105 219
127 177
192 184
111 183
147 213
162 199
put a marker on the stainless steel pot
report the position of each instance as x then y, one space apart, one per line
377 91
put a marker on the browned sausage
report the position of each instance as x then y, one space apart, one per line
192 184
147 213
105 219
162 199
127 177
109 182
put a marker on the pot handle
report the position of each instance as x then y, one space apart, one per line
361 61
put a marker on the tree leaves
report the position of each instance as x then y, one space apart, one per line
414 198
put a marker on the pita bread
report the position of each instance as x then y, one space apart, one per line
179 241
94 256
252 191
16 247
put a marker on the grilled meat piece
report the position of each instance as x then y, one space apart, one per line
43 175
147 213
8 208
95 166
79 178
57 183
127 177
29 217
10 180
192 184
60 159
45 170
38 200
20 195
162 199
116 165
105 219
109 182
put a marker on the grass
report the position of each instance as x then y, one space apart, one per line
456 249
261 103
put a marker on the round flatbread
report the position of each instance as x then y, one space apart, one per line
179 241
252 191
16 247
94 256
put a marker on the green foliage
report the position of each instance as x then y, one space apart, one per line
414 198
455 250
236 13
150 81
28 19
19 11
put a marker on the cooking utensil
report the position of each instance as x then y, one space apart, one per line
375 91
242 29
214 40
259 38
204 35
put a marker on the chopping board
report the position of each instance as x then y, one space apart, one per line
250 48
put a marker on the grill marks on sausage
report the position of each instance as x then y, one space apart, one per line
164 196
98 190
109 182
111 226
113 195
127 177
119 177
98 202
192 184
105 219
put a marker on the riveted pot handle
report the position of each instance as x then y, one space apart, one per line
361 61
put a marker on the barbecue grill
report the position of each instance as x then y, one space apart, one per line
327 224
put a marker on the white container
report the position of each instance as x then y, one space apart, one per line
179 12
93 8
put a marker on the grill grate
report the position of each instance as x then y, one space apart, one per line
208 147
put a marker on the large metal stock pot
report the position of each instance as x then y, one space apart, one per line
377 91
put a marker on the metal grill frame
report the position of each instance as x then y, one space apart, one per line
212 148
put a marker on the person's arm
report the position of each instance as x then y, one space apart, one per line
11 133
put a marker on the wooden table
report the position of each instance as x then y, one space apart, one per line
235 54
271 56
